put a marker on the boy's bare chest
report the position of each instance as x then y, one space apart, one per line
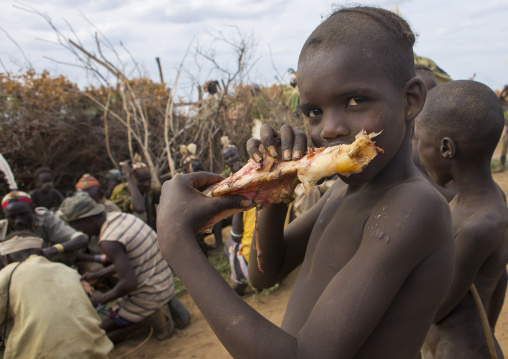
337 234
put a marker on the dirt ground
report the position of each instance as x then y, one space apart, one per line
198 341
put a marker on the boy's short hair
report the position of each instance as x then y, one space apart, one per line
467 111
385 31
40 171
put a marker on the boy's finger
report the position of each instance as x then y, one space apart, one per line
253 149
300 144
202 179
269 139
287 140
232 201
196 180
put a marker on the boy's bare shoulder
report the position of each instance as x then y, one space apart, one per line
486 227
413 210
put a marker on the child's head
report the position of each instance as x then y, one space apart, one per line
356 70
427 76
460 119
44 179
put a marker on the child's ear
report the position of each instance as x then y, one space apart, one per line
416 93
448 147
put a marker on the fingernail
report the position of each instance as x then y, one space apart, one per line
272 150
287 154
245 203
256 157
297 154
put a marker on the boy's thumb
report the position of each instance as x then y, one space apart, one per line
230 202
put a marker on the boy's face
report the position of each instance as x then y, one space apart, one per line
90 225
430 154
45 181
232 158
343 91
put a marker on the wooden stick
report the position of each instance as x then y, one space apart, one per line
485 322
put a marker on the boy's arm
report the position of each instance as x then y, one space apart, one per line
137 201
379 269
59 195
237 227
127 279
472 248
282 250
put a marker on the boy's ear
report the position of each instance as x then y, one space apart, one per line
416 93
448 147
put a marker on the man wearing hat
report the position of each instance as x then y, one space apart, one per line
59 239
44 311
89 184
145 282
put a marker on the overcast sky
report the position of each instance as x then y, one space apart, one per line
464 37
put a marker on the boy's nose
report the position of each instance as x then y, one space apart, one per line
333 128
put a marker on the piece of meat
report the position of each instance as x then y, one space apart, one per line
273 180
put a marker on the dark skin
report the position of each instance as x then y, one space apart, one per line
95 192
231 158
448 189
357 244
21 218
139 182
121 265
480 225
46 196
20 256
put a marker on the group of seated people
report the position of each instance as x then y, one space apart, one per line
56 249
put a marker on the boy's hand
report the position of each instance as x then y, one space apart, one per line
184 209
127 169
97 298
291 143
91 277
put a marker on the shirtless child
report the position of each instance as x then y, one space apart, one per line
447 190
377 256
457 133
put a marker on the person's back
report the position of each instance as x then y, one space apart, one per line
53 316
457 142
376 257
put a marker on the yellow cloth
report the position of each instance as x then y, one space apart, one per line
249 223
52 315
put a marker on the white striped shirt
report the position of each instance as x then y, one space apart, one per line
154 277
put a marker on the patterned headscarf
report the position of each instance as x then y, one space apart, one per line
87 181
16 196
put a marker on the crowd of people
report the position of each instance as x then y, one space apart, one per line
86 268
406 259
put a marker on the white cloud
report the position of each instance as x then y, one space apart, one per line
462 36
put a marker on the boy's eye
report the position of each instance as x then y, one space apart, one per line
355 101
315 112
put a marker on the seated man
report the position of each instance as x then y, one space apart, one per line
46 311
145 281
57 236
138 195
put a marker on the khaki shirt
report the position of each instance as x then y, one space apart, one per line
50 315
